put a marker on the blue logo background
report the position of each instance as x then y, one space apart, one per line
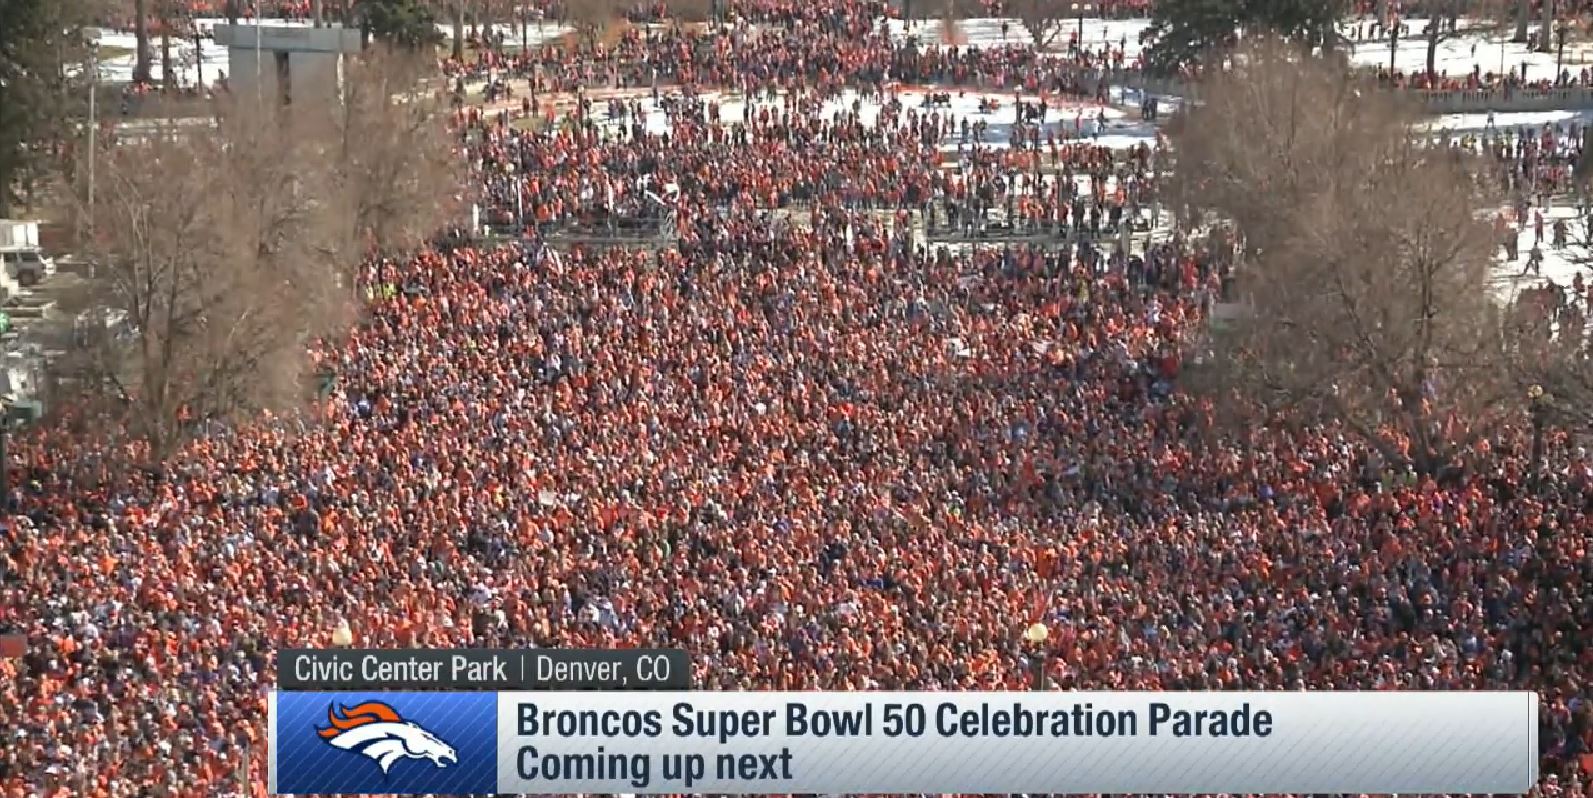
306 763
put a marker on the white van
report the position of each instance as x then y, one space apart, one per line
27 265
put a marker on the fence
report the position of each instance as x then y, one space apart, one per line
1567 98
1457 101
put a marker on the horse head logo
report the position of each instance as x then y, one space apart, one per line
375 730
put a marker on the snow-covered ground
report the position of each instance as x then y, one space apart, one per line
1478 123
1486 48
996 32
119 68
1559 264
965 33
536 33
1071 121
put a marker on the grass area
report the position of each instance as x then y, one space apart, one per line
529 123
113 53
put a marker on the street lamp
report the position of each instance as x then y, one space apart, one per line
1079 10
343 636
1538 403
1036 636
93 125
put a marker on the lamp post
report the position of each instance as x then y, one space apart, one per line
93 125
1036 636
1538 403
525 32
259 88
1079 10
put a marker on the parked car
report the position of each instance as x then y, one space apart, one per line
27 266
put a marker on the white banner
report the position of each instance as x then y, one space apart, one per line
1039 742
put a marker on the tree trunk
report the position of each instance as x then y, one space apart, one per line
1432 48
1523 16
458 13
495 16
315 14
141 63
167 78
1584 164
1546 28
232 12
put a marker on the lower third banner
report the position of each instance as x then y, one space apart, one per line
1034 742
378 743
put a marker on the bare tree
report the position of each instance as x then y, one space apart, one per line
1044 19
592 18
1546 27
691 10
167 74
1371 314
1443 23
1523 18
456 18
209 244
396 177
230 247
141 59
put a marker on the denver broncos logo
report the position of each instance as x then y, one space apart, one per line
375 730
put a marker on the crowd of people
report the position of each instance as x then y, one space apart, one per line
760 47
1479 79
687 156
815 452
1527 161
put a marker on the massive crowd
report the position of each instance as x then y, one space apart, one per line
694 156
813 52
816 453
